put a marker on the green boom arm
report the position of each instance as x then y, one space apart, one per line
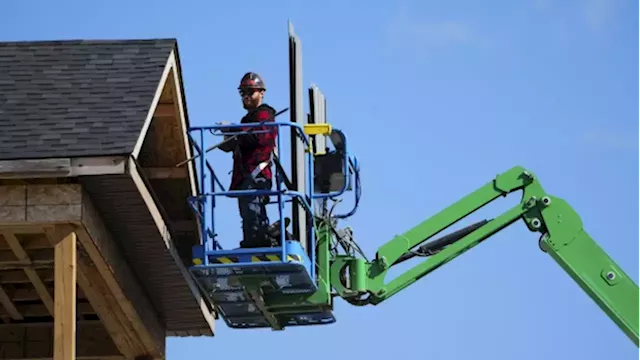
562 236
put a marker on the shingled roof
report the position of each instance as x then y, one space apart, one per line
92 106
76 98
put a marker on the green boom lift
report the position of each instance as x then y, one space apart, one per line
294 282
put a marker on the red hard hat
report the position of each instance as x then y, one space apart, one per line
252 80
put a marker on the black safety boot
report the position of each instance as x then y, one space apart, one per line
273 231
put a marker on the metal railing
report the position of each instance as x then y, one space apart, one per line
210 187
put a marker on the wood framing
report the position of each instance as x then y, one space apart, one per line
73 167
64 335
163 228
62 167
35 341
168 106
96 231
162 144
64 211
20 253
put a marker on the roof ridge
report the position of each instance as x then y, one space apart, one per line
92 41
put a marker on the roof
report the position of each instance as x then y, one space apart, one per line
74 98
88 98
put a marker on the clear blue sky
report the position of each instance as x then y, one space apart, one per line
436 98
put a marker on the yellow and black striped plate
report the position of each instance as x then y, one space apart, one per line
254 258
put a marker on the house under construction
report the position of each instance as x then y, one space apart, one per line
95 230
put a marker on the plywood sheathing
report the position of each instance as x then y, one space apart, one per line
163 147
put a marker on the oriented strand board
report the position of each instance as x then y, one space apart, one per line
51 203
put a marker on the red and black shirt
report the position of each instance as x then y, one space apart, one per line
254 149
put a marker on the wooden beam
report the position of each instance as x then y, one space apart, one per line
166 173
8 305
103 290
65 299
18 276
33 241
30 310
35 168
30 294
98 165
61 167
105 305
163 230
27 206
140 319
36 341
22 255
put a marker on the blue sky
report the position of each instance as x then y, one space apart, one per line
436 99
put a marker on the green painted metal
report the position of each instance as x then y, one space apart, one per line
322 298
596 273
562 236
361 282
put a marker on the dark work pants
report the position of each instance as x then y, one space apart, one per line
253 212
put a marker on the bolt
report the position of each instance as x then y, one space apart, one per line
611 275
546 200
535 223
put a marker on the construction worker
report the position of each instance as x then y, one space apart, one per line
252 161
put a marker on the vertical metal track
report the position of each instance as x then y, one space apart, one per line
298 168
317 108
317 115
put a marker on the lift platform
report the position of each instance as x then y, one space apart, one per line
251 287
241 283
238 282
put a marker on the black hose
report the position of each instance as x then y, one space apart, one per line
438 244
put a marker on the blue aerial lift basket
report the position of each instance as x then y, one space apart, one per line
239 282
261 287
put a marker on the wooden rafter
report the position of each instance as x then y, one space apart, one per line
22 256
22 299
35 341
41 215
9 306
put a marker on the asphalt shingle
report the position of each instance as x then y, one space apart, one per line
76 98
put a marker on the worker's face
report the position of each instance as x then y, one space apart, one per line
251 98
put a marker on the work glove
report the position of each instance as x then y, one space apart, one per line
229 145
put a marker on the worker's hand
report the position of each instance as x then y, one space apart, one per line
229 144
223 129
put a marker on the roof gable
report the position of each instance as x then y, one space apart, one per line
77 98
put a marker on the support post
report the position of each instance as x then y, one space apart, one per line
298 168
65 299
